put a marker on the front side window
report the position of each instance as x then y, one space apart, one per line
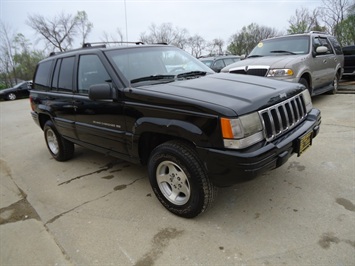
91 71
320 41
219 64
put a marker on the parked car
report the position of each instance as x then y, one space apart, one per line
313 59
216 63
349 61
158 106
21 90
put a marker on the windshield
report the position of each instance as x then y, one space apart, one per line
20 85
207 62
154 64
281 46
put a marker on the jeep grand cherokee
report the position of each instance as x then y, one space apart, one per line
157 105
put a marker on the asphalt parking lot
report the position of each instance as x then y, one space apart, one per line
97 210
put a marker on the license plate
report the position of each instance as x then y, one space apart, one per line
304 142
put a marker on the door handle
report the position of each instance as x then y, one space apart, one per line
325 61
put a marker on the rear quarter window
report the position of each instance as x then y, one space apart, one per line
41 80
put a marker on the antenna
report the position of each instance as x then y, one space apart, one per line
125 15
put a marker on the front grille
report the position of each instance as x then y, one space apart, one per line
250 71
257 72
283 116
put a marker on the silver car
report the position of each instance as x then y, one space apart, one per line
313 59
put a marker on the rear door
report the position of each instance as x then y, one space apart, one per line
53 94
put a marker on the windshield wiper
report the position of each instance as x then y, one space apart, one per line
191 74
170 78
255 55
154 77
281 52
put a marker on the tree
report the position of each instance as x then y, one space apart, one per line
166 33
216 46
84 25
246 39
346 34
197 44
17 60
333 12
113 38
25 59
304 21
7 62
61 31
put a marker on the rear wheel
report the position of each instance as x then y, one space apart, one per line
179 179
60 148
335 84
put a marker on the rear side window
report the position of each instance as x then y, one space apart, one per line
65 78
63 74
41 80
336 45
229 61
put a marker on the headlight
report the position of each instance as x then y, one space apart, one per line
242 132
307 100
275 72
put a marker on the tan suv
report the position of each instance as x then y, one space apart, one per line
313 59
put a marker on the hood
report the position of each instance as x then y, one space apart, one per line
218 94
278 61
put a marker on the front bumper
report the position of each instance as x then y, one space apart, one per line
228 167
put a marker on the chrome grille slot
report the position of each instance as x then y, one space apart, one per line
257 72
283 116
251 71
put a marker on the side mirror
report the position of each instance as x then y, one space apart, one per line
321 50
101 92
243 56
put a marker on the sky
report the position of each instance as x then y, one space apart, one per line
208 18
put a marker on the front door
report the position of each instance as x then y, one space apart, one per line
324 64
98 123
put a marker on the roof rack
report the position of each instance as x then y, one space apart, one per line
319 32
103 44
93 45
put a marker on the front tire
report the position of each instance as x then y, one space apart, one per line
179 179
304 82
60 148
11 96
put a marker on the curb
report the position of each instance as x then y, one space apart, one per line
346 87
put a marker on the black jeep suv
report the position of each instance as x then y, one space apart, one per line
157 105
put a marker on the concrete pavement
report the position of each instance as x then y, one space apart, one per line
97 210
